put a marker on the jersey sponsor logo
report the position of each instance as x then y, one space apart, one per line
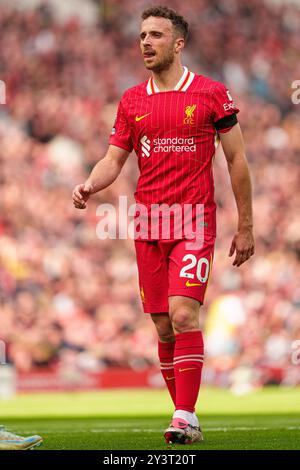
189 111
167 145
229 95
229 106
145 142
139 118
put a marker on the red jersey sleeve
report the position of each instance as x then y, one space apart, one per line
120 134
223 106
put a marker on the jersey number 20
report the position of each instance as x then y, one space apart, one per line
193 262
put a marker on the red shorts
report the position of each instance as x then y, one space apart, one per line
171 267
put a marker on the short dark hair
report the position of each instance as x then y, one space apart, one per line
179 23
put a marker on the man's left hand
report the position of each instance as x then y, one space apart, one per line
243 245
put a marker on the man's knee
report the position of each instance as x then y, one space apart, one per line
184 316
164 327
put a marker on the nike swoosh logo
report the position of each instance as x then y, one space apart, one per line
139 118
170 378
192 368
191 284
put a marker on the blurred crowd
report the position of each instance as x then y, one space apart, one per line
69 300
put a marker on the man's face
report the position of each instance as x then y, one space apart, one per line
158 43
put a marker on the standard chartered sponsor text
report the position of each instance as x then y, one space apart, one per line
174 144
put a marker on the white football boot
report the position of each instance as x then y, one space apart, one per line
181 432
11 441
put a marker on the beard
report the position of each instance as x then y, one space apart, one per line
164 64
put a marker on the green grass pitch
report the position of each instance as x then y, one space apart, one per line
135 419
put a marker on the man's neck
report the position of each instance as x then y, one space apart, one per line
168 79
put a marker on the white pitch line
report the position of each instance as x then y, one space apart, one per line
129 430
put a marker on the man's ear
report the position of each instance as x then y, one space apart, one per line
179 45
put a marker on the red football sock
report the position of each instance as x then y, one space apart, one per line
166 354
188 362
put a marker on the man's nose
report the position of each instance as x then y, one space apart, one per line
146 40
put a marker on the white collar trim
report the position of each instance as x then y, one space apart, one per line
183 84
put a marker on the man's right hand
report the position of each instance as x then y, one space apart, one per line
81 194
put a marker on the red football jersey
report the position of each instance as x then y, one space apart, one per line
173 134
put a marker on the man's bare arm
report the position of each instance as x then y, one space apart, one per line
103 175
234 150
